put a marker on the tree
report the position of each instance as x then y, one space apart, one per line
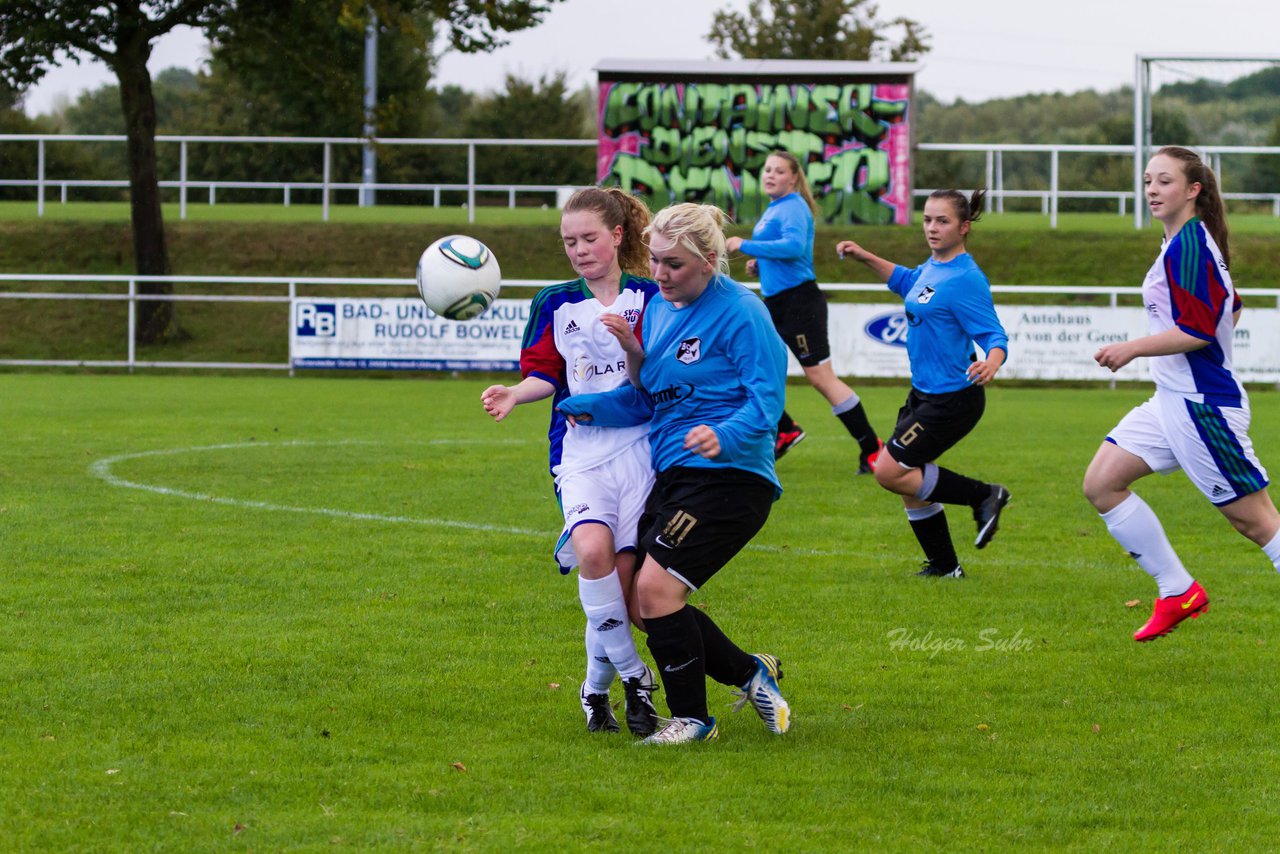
36 35
816 29
529 109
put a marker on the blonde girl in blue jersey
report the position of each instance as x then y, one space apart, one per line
712 374
948 305
782 248
1198 419
602 477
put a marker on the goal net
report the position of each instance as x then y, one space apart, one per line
1223 106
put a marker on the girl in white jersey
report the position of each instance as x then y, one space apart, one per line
1198 419
602 476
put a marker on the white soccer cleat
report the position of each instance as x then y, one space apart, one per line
762 692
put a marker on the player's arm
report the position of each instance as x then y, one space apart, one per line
976 313
1167 343
761 362
882 268
499 400
792 243
624 406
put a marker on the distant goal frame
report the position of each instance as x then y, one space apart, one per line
1142 145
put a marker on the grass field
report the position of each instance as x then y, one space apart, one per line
269 614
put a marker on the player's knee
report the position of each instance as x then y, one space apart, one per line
888 473
1097 491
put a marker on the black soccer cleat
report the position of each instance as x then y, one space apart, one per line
931 570
642 717
987 514
596 707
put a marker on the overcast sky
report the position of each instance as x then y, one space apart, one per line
981 48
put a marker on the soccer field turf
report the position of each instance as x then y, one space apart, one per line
273 614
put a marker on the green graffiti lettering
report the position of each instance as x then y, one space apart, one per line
663 147
637 175
857 180
824 117
622 107
707 142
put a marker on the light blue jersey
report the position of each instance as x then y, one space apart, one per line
782 244
949 307
718 362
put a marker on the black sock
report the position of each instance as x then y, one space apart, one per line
726 662
953 488
855 421
676 645
935 539
785 424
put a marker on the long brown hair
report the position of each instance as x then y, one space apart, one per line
1210 208
802 183
616 207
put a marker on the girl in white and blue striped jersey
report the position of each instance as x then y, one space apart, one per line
1198 419
602 477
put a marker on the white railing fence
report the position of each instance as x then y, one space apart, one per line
994 154
293 288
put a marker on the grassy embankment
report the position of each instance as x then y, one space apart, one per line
1097 249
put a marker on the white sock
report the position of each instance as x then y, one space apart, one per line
600 670
1272 550
606 611
1136 528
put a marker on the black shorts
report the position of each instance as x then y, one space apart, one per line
697 519
931 424
800 316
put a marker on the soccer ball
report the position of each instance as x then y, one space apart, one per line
458 277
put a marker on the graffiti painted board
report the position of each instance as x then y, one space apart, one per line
700 132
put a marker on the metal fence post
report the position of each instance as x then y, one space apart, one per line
471 182
1053 188
40 177
182 180
293 299
133 321
328 163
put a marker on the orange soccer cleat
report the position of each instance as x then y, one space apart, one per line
1172 610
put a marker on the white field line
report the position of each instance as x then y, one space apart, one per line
103 469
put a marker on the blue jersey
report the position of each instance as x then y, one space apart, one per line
949 307
782 243
718 362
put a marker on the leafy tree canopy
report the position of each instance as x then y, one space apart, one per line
816 29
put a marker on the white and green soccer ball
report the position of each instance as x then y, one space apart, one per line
458 277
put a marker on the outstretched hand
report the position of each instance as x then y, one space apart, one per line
498 401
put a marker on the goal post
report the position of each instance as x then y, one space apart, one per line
1143 88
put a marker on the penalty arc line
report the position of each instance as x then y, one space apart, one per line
102 469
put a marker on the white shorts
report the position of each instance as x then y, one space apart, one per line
613 494
1210 443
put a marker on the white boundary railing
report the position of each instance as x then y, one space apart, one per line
291 284
1049 197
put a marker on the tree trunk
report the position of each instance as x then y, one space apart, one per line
151 253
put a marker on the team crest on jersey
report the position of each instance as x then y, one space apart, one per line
690 350
631 315
926 295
